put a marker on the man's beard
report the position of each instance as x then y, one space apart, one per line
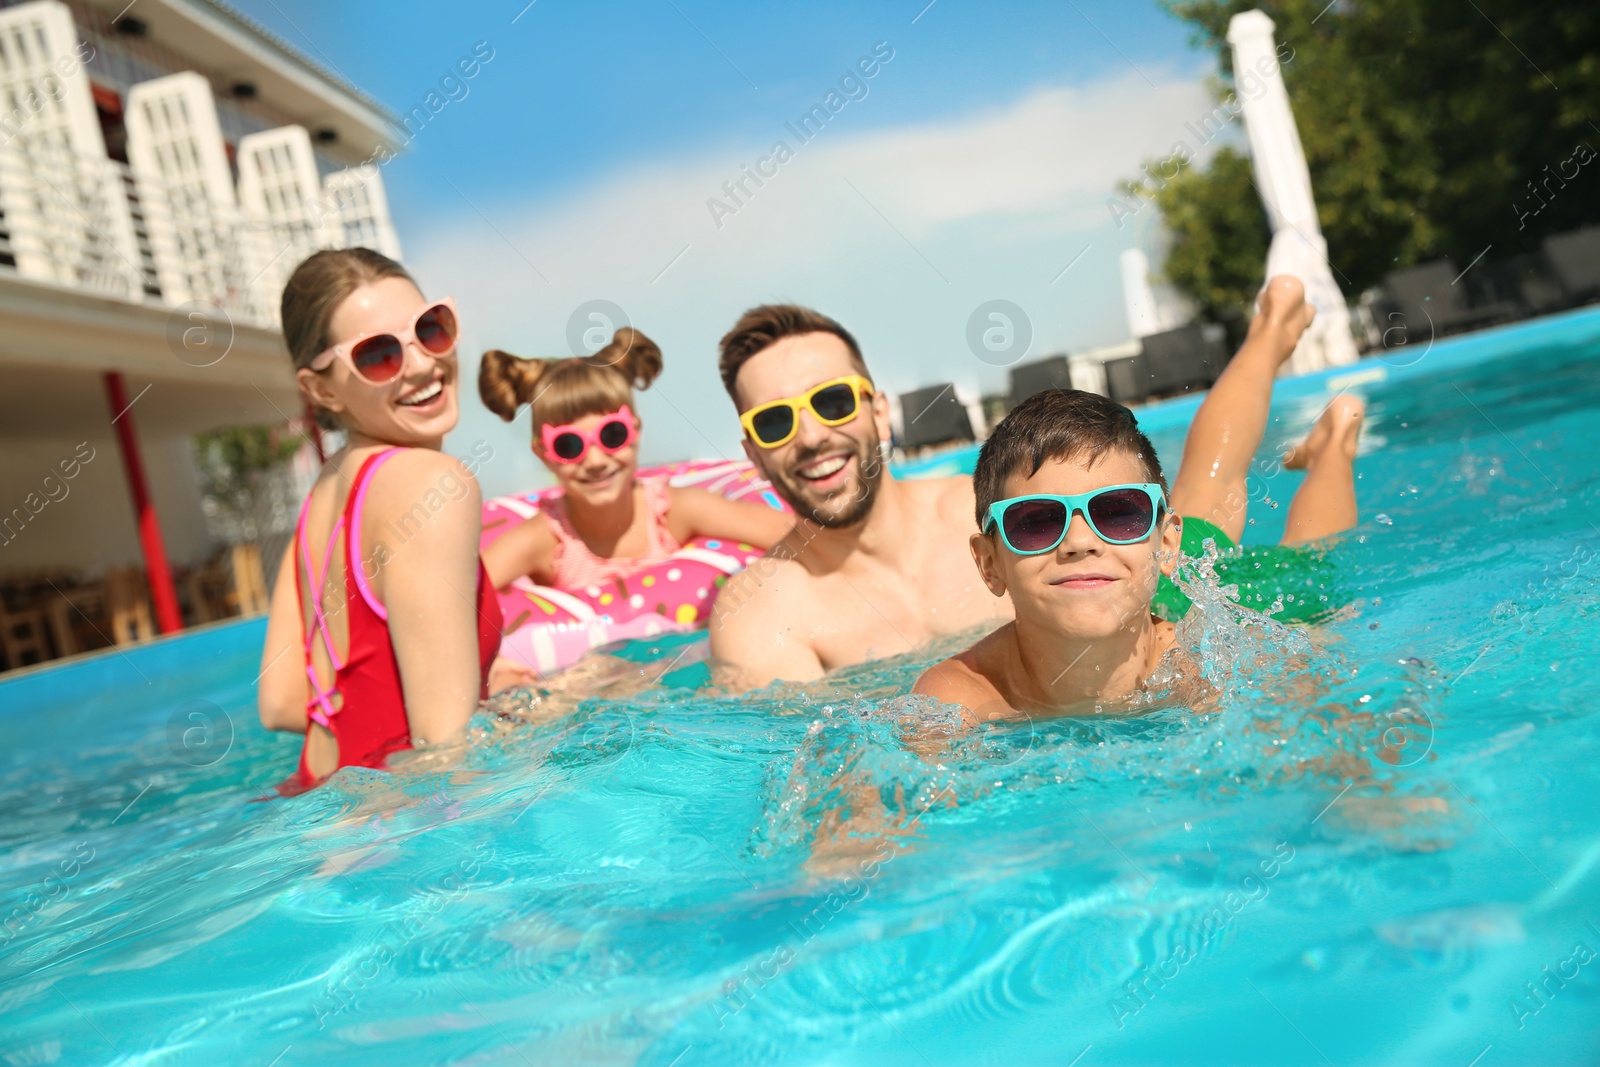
840 508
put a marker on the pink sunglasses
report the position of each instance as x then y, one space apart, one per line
380 357
569 444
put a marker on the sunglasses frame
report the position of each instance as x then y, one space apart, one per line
624 415
406 337
1077 504
859 386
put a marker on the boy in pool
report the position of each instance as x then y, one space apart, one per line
1075 522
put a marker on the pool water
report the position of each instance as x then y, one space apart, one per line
1380 843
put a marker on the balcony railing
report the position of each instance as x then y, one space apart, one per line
96 226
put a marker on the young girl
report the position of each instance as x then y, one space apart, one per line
606 523
382 626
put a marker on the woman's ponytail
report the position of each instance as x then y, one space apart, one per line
506 382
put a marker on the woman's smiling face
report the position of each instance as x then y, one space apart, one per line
416 409
1085 588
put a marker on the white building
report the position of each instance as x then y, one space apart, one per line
163 167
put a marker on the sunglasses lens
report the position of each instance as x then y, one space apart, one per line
378 359
567 446
773 424
436 329
1122 514
614 434
1034 525
836 403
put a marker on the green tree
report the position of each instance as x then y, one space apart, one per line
1428 125
232 462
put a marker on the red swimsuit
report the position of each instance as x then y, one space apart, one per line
371 721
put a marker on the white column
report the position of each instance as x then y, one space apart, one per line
1284 183
1138 299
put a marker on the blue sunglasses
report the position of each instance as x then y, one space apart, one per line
1118 515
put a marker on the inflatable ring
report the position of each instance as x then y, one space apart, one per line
548 629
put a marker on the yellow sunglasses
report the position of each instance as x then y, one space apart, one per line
832 403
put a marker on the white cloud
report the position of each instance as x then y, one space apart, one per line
899 233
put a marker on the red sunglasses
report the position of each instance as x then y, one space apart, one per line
379 357
568 444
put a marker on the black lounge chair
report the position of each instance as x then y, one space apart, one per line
1128 379
933 416
1575 259
1431 301
1036 377
1182 360
1168 364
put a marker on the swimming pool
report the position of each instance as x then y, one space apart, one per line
627 885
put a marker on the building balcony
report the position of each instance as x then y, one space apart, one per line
100 226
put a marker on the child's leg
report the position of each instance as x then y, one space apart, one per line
1325 503
1227 430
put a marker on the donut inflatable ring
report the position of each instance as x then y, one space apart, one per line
548 629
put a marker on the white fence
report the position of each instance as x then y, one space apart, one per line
95 225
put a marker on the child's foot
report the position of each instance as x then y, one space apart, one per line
1281 310
1335 434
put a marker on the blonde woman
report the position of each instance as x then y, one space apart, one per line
382 626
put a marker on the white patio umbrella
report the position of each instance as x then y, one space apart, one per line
1284 183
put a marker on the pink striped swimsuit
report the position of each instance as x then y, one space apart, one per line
577 567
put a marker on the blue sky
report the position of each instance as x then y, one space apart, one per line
975 164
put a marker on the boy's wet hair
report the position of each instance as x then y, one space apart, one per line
1058 424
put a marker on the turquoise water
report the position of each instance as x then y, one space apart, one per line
1363 852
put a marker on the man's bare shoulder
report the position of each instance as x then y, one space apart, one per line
952 498
761 625
776 580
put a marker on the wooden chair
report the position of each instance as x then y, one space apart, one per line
208 593
61 611
78 616
128 604
23 634
249 593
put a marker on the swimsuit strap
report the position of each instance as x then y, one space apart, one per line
317 581
353 509
658 498
320 705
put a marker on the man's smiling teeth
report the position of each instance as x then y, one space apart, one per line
819 471
426 395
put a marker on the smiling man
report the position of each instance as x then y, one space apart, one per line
874 567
